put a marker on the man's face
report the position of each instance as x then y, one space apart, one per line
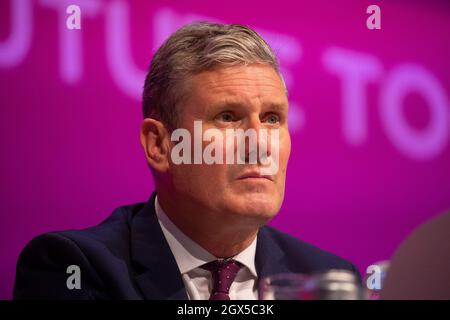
237 97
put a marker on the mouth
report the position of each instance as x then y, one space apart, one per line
255 175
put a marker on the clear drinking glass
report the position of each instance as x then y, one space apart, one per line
328 285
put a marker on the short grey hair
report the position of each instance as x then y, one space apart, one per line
192 49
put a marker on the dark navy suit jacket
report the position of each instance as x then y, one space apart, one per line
127 257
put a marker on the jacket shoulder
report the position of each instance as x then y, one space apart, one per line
42 265
305 256
112 232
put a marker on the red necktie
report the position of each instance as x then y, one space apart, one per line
223 274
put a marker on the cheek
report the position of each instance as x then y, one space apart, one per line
284 153
182 177
286 149
200 178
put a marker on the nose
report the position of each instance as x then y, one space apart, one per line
261 148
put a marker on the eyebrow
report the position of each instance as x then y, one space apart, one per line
282 107
274 106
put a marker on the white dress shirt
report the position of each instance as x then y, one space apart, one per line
190 256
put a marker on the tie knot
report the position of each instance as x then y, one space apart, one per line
223 274
227 265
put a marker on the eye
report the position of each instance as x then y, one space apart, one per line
226 117
273 118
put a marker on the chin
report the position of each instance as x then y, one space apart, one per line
261 207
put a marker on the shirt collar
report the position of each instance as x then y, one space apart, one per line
190 255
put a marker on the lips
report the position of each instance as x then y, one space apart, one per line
254 175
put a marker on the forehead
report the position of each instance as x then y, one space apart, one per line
238 84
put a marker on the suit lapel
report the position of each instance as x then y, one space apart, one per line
270 258
158 275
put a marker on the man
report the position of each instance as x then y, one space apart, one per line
202 234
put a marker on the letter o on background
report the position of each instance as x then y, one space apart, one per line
421 144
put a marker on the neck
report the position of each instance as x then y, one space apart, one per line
223 235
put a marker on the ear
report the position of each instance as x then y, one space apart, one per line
155 141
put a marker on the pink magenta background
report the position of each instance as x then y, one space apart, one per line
69 129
